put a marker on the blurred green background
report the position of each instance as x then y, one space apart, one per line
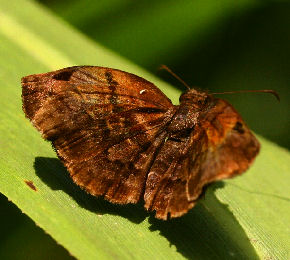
215 45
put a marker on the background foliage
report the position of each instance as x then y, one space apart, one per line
217 45
229 45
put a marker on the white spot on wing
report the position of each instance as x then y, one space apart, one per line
142 91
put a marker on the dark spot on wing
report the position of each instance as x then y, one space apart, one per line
149 110
63 75
239 128
112 85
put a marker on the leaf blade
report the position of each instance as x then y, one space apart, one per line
90 227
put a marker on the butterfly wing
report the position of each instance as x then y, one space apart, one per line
106 126
232 147
219 146
110 128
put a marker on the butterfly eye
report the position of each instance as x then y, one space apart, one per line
200 102
239 128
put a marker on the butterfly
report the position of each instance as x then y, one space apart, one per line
120 137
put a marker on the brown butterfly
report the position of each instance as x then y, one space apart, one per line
120 137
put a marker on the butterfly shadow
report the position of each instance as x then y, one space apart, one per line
52 172
200 234
196 235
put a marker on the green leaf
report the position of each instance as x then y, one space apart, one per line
243 218
16 228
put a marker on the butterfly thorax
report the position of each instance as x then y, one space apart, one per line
192 104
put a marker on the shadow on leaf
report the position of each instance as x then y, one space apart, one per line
207 232
52 172
196 235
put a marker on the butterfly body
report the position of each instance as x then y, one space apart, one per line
120 137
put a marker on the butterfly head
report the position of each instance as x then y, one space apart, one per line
197 99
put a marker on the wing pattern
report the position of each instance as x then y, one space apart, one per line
106 126
120 137
219 146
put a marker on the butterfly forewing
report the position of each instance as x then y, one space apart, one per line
105 125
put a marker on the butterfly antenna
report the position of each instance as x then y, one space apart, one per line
164 67
273 92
